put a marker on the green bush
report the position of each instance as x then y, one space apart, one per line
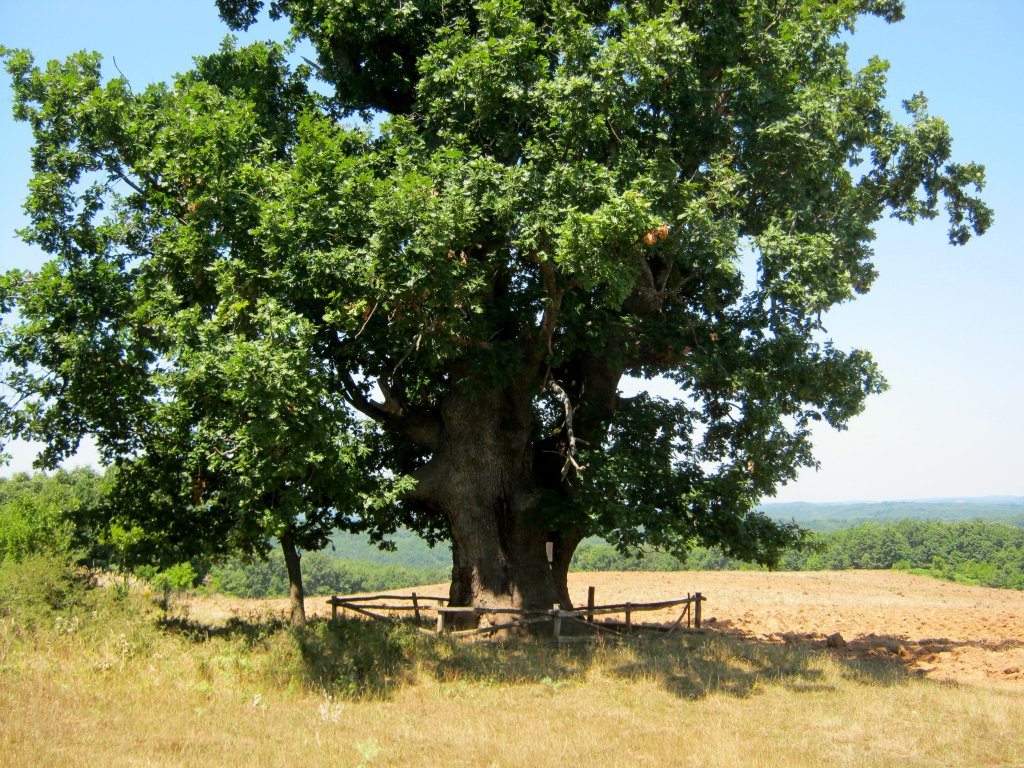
33 588
177 578
29 527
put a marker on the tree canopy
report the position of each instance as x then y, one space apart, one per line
402 284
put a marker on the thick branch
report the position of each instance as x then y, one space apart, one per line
651 287
418 424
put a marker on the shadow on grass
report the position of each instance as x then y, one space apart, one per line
252 632
367 659
359 658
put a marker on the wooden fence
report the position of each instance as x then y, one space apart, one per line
583 622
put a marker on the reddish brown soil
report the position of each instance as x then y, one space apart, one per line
941 630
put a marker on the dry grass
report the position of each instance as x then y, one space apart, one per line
118 687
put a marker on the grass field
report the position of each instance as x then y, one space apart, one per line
117 683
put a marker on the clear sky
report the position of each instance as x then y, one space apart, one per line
946 324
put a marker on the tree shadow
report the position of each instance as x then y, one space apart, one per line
688 665
356 658
252 632
361 658
711 662
915 657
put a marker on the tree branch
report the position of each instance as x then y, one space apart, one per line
420 425
540 343
570 446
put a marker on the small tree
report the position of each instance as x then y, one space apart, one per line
556 195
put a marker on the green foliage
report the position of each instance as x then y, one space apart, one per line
69 513
50 514
168 582
322 575
177 578
558 195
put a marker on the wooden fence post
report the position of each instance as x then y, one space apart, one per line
440 621
416 607
590 605
556 622
696 613
334 608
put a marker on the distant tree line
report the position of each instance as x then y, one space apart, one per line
975 552
57 516
323 574
834 517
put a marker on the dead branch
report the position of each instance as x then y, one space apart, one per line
570 450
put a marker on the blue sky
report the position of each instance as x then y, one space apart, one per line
946 324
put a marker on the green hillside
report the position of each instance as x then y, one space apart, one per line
832 517
410 551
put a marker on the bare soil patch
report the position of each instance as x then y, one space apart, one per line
934 628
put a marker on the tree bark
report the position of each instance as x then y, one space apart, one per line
481 477
565 543
292 561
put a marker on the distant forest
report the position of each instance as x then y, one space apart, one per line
832 517
974 552
973 542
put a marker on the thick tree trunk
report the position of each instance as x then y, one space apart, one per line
481 478
500 561
296 594
565 543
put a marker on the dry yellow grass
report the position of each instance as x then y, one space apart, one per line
117 690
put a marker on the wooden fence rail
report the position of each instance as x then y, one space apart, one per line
368 605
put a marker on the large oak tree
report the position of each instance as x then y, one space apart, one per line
402 284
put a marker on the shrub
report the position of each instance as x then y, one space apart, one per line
27 528
176 578
37 586
50 514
